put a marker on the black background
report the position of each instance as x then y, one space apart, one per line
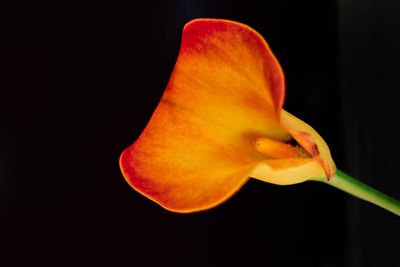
79 83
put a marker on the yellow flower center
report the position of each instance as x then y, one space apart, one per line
279 150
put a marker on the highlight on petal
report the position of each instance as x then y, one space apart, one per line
220 121
288 171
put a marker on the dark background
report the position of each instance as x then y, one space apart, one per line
79 83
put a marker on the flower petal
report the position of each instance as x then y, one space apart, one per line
225 91
287 171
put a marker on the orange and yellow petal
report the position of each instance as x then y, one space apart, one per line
183 164
226 91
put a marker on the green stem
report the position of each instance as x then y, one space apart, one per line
357 188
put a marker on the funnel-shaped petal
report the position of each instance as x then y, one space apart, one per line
226 91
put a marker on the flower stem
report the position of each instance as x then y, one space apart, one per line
357 188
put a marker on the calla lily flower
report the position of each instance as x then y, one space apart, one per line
220 122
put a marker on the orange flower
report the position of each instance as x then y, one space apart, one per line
219 122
